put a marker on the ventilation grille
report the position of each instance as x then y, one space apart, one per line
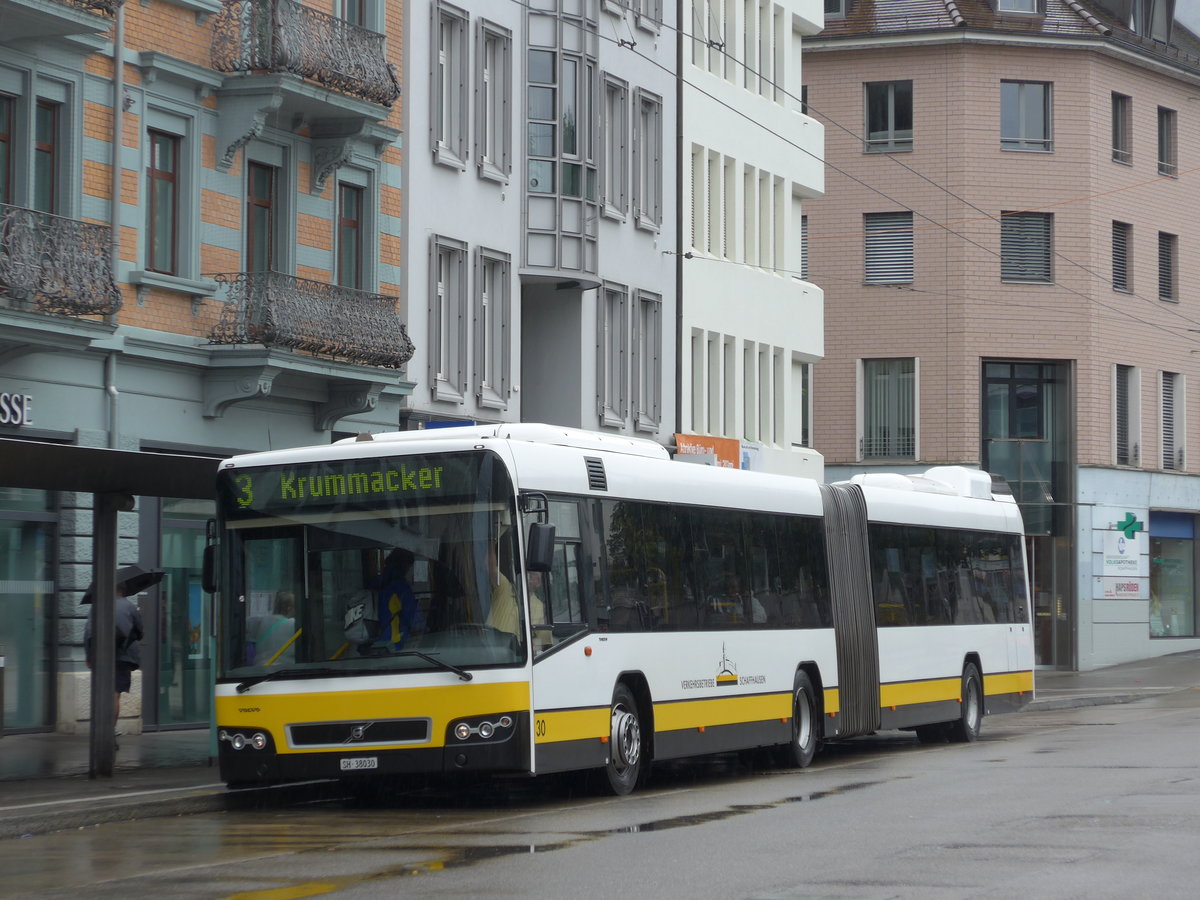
597 480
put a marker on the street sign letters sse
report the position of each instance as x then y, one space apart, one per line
16 409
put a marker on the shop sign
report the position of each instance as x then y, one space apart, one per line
727 452
16 409
1123 588
1126 550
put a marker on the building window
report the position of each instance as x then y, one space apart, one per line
350 236
803 375
1122 240
804 248
1172 408
612 329
1167 157
1173 597
614 185
448 319
354 12
1168 263
162 203
1026 247
888 248
260 217
7 107
492 317
45 157
647 361
493 87
647 160
835 8
1125 416
1025 115
449 82
889 110
1019 6
1122 149
889 390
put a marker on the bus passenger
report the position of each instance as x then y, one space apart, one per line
399 612
502 614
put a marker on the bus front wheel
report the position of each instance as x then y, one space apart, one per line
965 729
799 752
625 744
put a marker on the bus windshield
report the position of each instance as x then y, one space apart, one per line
368 565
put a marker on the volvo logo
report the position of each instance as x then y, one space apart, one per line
358 732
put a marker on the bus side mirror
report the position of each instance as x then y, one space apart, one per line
539 551
208 574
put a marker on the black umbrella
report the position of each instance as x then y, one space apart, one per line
134 579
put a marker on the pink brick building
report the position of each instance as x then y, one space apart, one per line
1010 279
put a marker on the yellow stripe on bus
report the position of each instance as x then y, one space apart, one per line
1008 683
721 711
571 725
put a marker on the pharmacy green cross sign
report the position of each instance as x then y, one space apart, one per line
1130 525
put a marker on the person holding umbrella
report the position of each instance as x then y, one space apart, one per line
127 619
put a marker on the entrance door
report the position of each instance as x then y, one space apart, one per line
177 658
1050 584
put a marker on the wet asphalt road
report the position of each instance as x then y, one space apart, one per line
1095 802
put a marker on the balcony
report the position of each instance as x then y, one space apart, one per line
281 36
321 319
50 264
26 19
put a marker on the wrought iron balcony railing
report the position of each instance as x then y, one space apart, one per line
107 7
283 36
55 265
323 319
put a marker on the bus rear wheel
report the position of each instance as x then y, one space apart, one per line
625 744
799 752
965 729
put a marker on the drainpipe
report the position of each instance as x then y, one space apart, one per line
680 337
118 107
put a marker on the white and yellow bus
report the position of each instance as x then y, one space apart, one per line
531 599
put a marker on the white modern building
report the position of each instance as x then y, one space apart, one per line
751 322
539 200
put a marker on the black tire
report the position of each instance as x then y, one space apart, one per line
799 752
626 748
965 729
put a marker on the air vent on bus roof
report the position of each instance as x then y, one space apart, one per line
597 480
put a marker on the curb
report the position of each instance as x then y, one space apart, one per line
45 816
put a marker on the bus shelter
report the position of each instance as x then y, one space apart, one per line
115 478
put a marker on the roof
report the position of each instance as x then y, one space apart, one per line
1082 19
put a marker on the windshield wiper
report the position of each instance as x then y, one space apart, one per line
441 664
294 670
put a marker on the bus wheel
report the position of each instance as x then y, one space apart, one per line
799 753
965 729
625 743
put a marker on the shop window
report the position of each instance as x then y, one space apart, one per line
1172 575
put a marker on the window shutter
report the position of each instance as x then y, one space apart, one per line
1025 247
1120 256
1123 455
889 247
1168 420
1166 266
804 248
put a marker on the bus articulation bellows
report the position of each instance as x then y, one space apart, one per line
529 599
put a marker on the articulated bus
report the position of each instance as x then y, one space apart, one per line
528 599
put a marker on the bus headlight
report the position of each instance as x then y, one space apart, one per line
462 731
259 741
486 730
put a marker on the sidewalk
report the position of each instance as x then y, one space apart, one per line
44 783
